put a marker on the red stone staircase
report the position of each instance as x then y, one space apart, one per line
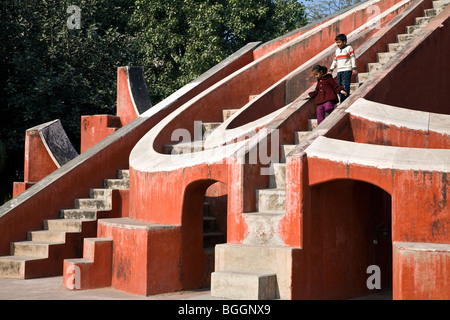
254 276
45 250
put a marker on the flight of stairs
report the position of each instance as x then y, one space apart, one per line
206 129
211 234
195 146
271 205
256 276
44 252
241 274
271 201
402 40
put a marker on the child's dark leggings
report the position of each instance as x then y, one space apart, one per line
344 79
322 108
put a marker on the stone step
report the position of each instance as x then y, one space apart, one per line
78 214
209 127
403 38
93 270
354 86
43 253
414 29
271 200
394 47
440 4
32 259
258 258
47 236
100 204
100 193
14 266
432 12
278 179
121 184
183 147
69 225
38 249
255 285
384 57
227 113
300 135
35 249
363 76
123 174
285 150
372 67
422 20
262 228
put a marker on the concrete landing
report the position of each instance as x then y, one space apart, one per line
52 289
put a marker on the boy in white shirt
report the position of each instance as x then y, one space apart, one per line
345 63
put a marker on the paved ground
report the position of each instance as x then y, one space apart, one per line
52 289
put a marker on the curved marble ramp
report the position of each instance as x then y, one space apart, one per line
378 156
400 117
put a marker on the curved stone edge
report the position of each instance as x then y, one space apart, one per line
56 142
138 89
378 156
226 133
46 197
223 136
400 117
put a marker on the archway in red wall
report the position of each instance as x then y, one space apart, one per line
349 236
203 226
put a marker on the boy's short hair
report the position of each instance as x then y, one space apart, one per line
341 37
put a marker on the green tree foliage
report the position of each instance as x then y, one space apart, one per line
49 71
55 72
180 39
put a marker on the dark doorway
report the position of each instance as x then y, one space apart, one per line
348 231
203 226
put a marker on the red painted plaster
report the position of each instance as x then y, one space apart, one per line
38 163
421 274
96 128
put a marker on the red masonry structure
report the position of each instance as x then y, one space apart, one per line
230 183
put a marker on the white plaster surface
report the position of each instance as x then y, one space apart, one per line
422 246
383 157
400 117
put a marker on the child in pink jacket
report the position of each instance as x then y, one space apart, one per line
326 92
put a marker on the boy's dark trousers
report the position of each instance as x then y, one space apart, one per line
344 79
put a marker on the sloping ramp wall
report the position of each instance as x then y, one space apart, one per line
424 66
377 88
184 178
417 179
73 180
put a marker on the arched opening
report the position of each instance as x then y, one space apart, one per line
203 226
347 232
